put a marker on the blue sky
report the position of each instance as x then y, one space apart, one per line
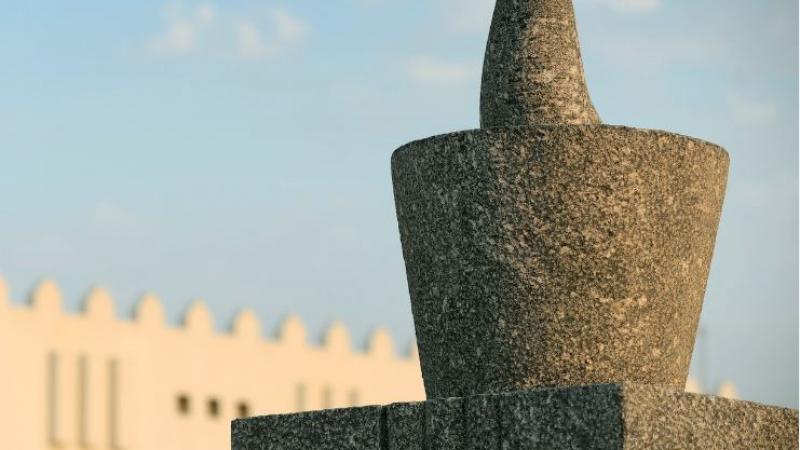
238 151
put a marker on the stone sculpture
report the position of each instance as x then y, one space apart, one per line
557 268
545 248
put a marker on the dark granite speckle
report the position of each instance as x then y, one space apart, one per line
407 431
335 429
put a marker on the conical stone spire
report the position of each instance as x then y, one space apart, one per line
548 249
533 73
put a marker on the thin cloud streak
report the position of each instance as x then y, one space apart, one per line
629 6
429 71
181 34
203 31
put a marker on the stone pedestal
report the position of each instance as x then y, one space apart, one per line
611 416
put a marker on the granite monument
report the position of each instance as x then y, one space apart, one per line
557 268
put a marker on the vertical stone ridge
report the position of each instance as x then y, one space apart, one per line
533 73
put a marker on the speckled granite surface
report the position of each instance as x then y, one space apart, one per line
533 73
556 255
622 416
355 428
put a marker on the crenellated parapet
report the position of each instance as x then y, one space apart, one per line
98 305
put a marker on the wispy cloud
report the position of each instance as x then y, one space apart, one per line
750 109
432 71
640 53
250 42
468 16
629 6
109 217
289 28
205 13
183 29
205 30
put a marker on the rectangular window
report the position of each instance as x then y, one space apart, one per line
243 410
183 404
213 408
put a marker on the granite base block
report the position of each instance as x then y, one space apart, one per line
614 416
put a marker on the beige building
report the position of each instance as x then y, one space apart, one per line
93 381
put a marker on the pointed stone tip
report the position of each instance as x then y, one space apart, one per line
533 72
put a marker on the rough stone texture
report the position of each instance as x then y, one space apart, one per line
408 424
577 418
444 424
334 429
556 255
614 417
481 419
533 72
658 418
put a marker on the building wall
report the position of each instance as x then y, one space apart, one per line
93 381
